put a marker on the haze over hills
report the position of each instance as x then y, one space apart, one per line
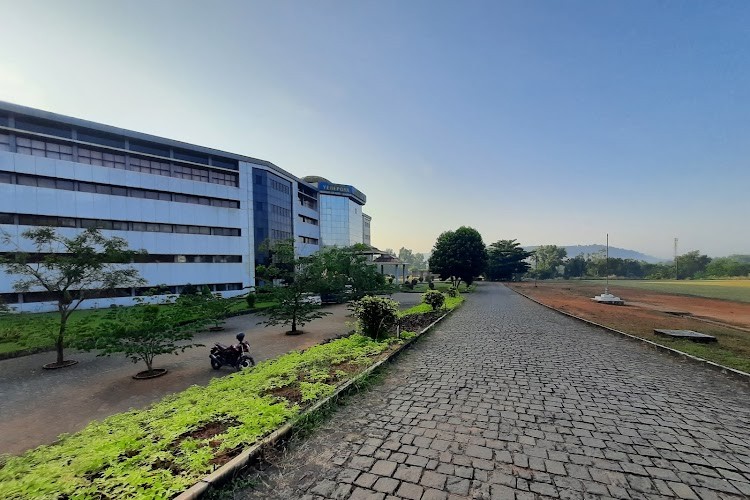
619 253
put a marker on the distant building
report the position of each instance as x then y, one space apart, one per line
200 213
342 222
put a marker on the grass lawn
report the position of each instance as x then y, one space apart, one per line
440 286
450 303
738 290
25 332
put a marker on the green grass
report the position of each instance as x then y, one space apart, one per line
25 332
711 352
736 290
450 303
164 449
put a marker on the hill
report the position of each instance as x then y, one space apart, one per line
619 253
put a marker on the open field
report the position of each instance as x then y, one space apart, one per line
736 290
644 310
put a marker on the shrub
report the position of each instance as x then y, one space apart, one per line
434 298
414 281
250 299
408 285
421 279
452 292
376 315
431 285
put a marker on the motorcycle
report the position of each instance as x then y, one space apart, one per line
236 356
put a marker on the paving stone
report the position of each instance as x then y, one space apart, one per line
410 491
506 399
386 485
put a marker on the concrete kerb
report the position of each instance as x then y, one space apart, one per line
737 374
230 469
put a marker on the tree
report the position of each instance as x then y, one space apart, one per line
416 261
279 258
727 267
575 267
212 307
144 331
343 272
692 265
293 299
506 260
547 259
71 270
459 255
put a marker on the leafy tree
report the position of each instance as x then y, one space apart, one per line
293 299
727 267
143 331
459 255
575 267
71 270
212 307
343 272
506 260
692 265
547 258
416 261
279 258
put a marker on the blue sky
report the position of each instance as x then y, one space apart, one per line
547 122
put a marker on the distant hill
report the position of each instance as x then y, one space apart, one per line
618 253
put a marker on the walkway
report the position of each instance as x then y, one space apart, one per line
506 399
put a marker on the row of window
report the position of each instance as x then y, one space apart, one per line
277 210
308 220
305 239
91 187
152 258
88 156
308 203
28 297
116 225
281 187
277 234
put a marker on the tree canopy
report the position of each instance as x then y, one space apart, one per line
506 260
459 255
70 270
547 258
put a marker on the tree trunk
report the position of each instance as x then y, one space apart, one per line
61 336
294 323
149 362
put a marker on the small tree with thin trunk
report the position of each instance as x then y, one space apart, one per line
71 270
144 331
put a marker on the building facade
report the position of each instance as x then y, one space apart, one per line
200 213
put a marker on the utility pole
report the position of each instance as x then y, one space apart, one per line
676 266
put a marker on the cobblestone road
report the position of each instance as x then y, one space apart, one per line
506 399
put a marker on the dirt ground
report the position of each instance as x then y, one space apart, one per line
645 310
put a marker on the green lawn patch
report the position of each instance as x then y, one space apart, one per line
166 448
450 303
737 289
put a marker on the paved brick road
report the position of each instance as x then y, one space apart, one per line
509 400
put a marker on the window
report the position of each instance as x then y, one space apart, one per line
103 159
6 178
4 142
305 239
7 219
26 180
46 182
180 229
87 187
65 184
66 222
120 225
139 226
119 191
103 189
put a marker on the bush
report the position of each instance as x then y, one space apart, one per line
414 281
421 279
250 299
431 285
452 292
434 298
376 315
408 285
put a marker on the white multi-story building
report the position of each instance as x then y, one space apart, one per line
201 214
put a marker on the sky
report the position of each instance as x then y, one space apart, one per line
547 122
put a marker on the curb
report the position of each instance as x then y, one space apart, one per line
736 374
229 469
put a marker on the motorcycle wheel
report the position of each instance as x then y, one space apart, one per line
246 362
215 364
